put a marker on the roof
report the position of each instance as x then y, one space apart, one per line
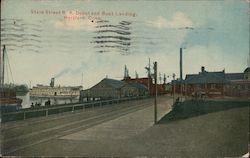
176 81
117 84
113 83
144 80
234 76
219 73
139 86
247 70
206 77
214 77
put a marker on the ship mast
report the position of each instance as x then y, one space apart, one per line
1 70
2 60
4 51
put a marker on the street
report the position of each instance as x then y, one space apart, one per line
128 129
24 134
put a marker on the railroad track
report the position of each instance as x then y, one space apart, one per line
13 129
14 141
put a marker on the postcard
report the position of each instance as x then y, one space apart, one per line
123 78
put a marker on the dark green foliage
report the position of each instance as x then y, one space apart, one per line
19 89
189 109
22 89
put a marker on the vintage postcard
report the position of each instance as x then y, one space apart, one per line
124 78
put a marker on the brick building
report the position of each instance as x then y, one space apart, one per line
148 82
214 84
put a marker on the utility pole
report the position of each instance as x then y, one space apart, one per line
173 87
181 71
149 76
125 72
164 79
181 78
136 74
160 78
155 104
181 64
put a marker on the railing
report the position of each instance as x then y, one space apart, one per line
24 114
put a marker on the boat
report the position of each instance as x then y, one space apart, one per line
8 100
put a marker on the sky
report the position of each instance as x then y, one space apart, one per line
80 42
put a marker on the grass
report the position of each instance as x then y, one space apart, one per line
190 109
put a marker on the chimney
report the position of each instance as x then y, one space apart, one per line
52 82
202 69
181 64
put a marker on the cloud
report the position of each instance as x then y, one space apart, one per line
178 20
73 21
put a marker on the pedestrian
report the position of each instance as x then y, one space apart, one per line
32 105
48 101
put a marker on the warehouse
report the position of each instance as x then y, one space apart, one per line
111 88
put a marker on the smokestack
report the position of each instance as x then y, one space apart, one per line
52 82
202 69
181 64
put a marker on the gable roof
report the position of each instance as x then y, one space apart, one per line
235 76
116 84
138 86
113 83
247 70
206 77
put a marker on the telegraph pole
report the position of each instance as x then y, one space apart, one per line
149 76
181 71
173 87
155 104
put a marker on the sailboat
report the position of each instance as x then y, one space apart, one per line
8 100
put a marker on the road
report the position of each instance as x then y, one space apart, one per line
18 138
128 130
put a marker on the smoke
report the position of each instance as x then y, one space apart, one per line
63 72
197 36
72 71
